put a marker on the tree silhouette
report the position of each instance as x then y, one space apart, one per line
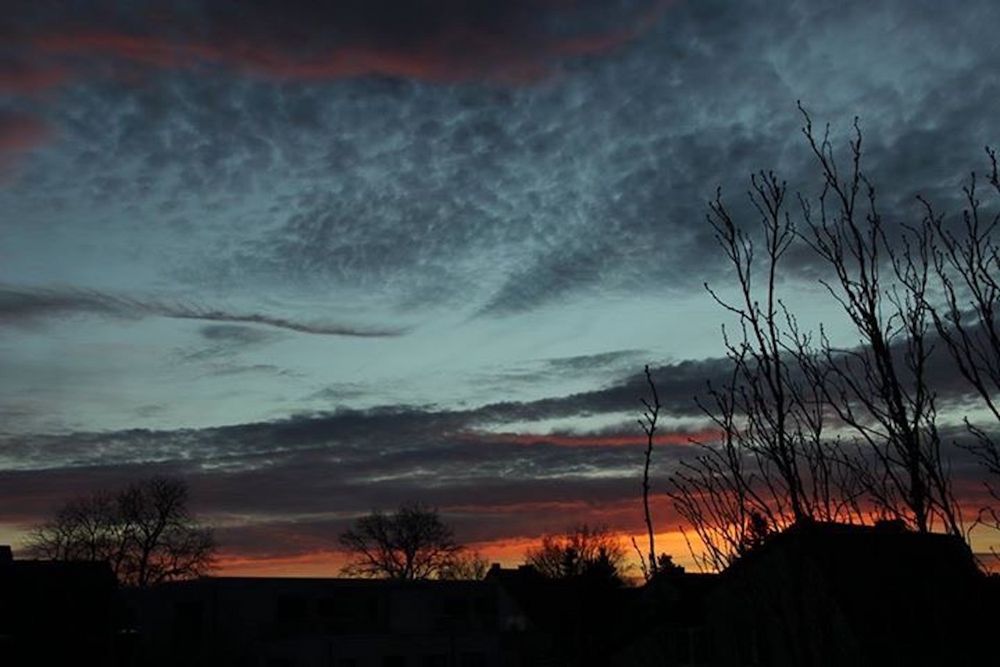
467 566
648 422
582 551
881 389
144 531
773 462
811 431
966 263
412 543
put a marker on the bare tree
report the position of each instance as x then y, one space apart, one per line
880 388
144 531
166 543
412 543
966 263
582 551
648 422
466 566
811 431
774 465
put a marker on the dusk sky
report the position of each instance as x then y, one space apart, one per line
323 258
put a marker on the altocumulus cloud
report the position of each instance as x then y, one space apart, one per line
422 179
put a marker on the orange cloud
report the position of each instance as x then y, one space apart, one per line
309 564
508 552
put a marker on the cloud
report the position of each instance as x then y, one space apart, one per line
347 462
234 334
432 40
307 475
20 133
601 440
19 306
223 343
26 79
306 478
587 362
500 200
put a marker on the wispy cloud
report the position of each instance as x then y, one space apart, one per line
24 306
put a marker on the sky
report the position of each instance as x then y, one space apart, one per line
323 258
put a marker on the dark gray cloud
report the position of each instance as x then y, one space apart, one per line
490 489
597 368
307 475
392 441
222 343
24 306
235 334
345 463
588 362
387 453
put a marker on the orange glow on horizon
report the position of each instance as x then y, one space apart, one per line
510 552
507 552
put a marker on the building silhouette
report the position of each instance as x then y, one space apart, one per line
57 612
816 594
833 594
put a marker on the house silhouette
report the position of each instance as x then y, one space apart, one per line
56 612
832 594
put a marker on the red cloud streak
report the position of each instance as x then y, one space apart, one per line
455 54
20 133
29 80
